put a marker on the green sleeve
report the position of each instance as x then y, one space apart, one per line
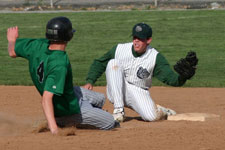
55 81
25 47
164 73
99 65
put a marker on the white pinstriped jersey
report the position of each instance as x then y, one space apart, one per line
137 70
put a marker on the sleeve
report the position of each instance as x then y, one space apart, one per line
165 74
24 47
55 81
99 65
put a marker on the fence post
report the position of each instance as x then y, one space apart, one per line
156 3
51 3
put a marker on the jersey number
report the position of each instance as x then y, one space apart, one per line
40 72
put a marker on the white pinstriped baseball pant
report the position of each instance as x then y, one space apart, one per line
121 93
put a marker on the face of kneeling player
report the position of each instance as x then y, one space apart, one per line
140 45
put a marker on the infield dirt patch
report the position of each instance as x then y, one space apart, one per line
20 112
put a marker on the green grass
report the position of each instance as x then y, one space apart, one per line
174 34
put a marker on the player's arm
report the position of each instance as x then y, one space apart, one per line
98 67
12 35
47 106
165 74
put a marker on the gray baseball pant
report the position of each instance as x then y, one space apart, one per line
91 116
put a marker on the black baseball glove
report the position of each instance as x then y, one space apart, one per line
186 66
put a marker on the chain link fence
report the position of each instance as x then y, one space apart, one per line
110 4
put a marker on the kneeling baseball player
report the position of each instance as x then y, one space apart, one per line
129 70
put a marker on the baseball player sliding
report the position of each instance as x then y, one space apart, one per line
51 73
129 70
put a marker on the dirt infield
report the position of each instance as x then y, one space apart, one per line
20 112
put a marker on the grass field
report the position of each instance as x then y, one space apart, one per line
174 34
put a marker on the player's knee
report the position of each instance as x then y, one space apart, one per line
113 64
150 116
99 118
109 125
102 99
107 122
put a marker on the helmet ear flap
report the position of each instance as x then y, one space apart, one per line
69 35
59 29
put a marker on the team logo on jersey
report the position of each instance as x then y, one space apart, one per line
138 29
142 73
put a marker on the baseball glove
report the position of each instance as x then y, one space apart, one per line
186 66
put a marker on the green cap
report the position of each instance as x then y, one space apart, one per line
142 31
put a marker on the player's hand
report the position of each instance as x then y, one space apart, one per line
12 34
55 131
88 86
43 127
68 131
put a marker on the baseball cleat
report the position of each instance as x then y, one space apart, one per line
166 111
117 124
118 114
170 112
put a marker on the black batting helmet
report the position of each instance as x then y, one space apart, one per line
59 29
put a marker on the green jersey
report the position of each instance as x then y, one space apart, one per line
51 71
162 70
